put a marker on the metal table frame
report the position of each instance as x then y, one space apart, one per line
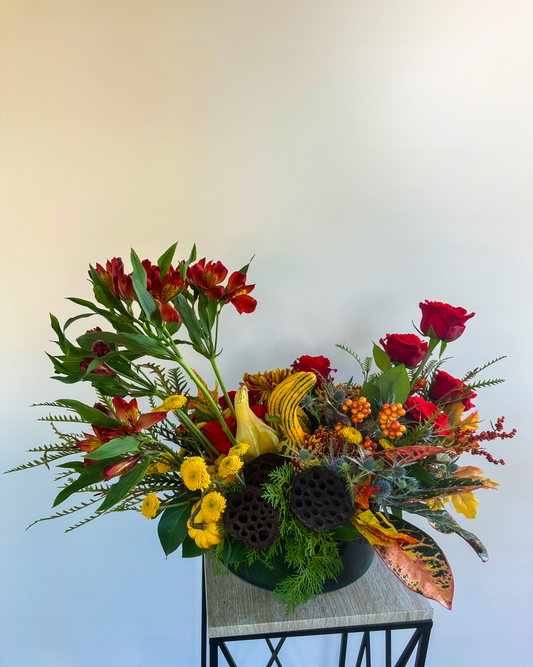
419 640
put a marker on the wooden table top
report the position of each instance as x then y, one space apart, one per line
236 608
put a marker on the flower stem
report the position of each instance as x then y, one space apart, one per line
433 342
190 425
219 378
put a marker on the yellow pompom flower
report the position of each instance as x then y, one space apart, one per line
150 506
171 403
353 436
239 450
207 536
194 473
230 466
213 505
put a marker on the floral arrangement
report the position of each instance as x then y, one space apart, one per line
291 464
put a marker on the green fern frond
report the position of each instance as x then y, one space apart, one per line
473 373
65 512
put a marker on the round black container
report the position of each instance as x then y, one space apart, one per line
356 557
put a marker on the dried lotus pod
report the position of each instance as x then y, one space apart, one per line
319 499
250 518
257 472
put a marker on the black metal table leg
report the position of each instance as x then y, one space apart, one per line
204 619
423 644
344 647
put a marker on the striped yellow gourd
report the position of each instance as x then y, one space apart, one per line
284 402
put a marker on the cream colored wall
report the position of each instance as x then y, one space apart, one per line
372 155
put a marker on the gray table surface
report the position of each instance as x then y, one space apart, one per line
236 608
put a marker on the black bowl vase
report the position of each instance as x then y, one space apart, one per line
356 557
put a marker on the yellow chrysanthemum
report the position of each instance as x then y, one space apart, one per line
213 505
150 506
267 381
239 450
171 403
194 473
230 466
353 436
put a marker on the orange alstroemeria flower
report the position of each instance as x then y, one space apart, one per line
120 467
208 277
114 277
129 412
237 293
100 437
164 290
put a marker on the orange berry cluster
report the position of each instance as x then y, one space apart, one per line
359 409
388 420
419 384
369 444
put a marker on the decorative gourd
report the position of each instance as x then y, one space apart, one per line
284 403
252 430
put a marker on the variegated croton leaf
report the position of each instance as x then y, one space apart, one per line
451 486
406 455
421 566
443 521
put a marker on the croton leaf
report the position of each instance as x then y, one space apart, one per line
421 566
444 522
405 455
451 486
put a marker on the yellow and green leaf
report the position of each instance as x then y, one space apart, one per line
421 566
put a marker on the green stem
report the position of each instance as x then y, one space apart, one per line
433 342
219 378
191 426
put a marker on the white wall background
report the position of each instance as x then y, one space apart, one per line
372 154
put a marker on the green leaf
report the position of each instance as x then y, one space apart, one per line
125 484
190 550
71 320
207 316
346 533
165 260
394 385
381 358
172 527
77 466
90 475
90 415
371 393
234 551
443 345
442 521
136 343
62 341
147 303
188 317
139 272
246 266
114 447
192 258
421 474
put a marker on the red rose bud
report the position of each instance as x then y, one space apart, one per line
442 321
405 349
99 348
421 411
447 389
216 436
320 366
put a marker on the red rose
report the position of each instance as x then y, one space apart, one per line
447 322
421 411
252 400
405 349
216 436
447 389
320 366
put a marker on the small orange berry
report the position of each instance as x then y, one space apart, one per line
344 408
